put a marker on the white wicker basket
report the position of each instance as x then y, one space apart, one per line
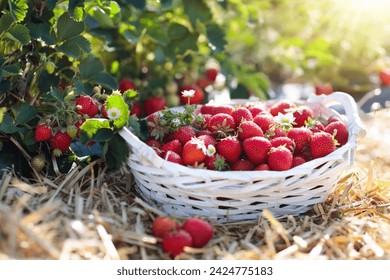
228 196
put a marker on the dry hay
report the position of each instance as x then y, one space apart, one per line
89 214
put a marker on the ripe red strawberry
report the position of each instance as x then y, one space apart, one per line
154 104
173 145
283 141
156 129
230 148
77 125
60 141
241 114
257 109
263 167
42 133
207 109
265 121
211 74
226 109
193 153
280 158
339 130
297 160
103 111
184 134
314 125
321 144
208 140
201 121
196 99
156 145
281 107
153 143
384 77
85 105
163 225
126 84
202 83
302 114
203 132
200 230
323 89
222 122
215 162
256 149
275 131
174 242
249 129
173 157
331 119
242 165
136 110
301 137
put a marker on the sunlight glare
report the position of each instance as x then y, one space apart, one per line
370 5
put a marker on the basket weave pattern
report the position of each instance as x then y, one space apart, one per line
228 196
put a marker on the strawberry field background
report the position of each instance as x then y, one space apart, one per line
52 52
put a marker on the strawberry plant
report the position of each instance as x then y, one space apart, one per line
62 63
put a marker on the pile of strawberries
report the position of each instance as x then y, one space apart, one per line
194 232
245 137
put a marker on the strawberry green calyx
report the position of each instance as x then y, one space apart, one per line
119 110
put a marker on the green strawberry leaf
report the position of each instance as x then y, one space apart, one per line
68 28
197 10
6 22
42 31
158 36
90 127
23 113
76 9
130 94
105 79
70 49
90 66
216 37
116 152
177 31
117 110
19 33
103 134
8 125
18 9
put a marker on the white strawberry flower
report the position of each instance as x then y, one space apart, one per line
176 121
188 93
285 119
113 113
210 150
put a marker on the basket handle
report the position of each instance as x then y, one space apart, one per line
349 105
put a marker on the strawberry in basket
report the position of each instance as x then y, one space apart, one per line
245 137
